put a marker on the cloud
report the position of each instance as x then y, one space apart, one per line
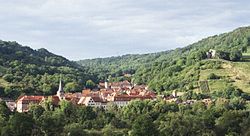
81 29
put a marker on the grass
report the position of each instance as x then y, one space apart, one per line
236 72
243 71
217 85
243 86
223 73
246 54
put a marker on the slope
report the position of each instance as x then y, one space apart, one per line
27 71
175 69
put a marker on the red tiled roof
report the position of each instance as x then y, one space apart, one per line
86 92
129 98
28 99
97 99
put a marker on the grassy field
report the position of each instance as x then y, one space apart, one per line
223 73
243 71
231 73
217 85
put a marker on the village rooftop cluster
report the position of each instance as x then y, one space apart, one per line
117 93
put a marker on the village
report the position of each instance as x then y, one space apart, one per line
117 93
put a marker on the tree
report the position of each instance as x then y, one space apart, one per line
108 130
90 84
143 126
21 124
74 129
72 87
4 110
85 113
229 122
223 55
8 77
235 55
213 76
68 110
36 110
51 123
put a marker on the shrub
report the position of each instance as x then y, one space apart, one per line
213 76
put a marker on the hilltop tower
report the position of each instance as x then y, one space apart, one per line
60 92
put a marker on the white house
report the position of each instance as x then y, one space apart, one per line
24 101
92 101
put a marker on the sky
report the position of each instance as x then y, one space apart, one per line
83 29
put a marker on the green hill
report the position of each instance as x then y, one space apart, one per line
27 71
182 68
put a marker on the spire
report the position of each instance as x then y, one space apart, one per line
60 88
60 92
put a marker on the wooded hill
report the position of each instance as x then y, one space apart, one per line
27 71
182 68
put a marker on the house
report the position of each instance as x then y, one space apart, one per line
123 100
23 102
119 93
211 54
123 84
92 101
106 94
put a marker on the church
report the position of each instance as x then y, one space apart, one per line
23 102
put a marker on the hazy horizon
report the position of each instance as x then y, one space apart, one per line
92 29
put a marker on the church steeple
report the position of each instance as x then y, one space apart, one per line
60 92
60 88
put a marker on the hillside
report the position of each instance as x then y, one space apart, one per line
213 103
179 68
27 71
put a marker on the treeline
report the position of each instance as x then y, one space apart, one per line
170 70
228 115
28 71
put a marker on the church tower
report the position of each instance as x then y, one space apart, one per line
60 92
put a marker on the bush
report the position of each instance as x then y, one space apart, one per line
235 55
8 77
213 76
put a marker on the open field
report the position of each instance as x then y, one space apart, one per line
231 73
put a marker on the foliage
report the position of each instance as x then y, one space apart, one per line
224 117
29 71
213 76
90 84
174 69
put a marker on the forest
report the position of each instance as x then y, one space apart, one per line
27 71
